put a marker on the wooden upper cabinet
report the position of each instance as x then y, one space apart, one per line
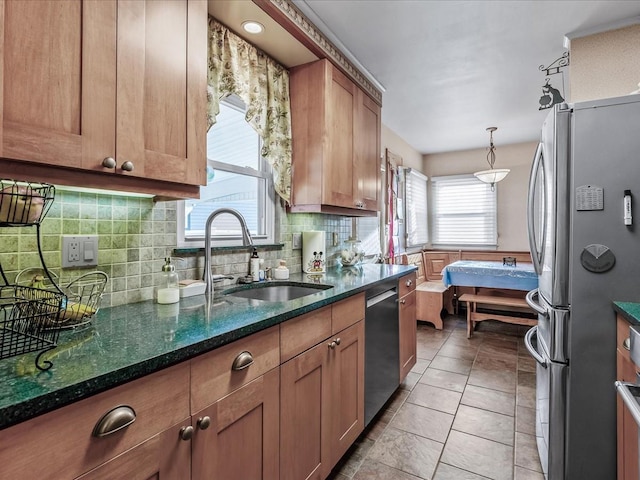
336 142
161 125
83 81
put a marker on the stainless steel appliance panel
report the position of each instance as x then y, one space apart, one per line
382 347
551 405
552 182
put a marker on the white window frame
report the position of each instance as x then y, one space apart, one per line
416 209
490 240
268 220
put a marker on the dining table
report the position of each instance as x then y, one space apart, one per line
475 273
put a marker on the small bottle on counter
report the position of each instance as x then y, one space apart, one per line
254 268
168 290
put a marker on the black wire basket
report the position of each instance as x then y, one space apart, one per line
26 316
24 203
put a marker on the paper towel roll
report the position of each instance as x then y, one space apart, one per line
313 251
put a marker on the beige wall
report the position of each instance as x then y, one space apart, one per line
410 158
605 64
512 191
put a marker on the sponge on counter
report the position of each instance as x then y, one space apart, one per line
189 288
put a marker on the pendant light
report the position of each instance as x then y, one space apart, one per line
493 175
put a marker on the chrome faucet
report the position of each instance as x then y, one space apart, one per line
247 241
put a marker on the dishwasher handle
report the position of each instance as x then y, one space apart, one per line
381 297
629 398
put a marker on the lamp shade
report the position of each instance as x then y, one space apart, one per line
492 176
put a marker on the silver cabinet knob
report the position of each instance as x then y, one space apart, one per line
332 345
127 166
186 433
114 420
409 283
204 423
338 341
109 162
403 301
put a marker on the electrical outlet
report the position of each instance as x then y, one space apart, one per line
296 241
79 251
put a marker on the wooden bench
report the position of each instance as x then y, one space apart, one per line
473 316
433 299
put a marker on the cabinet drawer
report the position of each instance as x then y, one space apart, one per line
406 284
60 444
347 312
302 333
213 375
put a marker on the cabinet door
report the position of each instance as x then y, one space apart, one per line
340 110
347 389
304 419
58 81
366 158
408 333
165 455
161 89
242 439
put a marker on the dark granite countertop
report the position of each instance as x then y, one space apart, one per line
630 311
129 341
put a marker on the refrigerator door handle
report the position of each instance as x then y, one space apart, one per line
532 350
532 301
629 399
536 256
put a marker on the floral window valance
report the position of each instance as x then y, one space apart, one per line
236 66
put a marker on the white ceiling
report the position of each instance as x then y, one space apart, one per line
452 68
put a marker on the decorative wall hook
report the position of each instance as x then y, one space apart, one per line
550 94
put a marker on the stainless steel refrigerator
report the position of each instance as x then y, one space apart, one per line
587 253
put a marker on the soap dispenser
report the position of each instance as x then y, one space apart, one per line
168 290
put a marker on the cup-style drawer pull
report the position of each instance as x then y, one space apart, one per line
242 361
627 343
114 420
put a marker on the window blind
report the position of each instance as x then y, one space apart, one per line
417 231
464 212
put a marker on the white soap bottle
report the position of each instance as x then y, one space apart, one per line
168 290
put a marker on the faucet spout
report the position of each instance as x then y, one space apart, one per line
207 276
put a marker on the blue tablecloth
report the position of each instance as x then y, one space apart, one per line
472 273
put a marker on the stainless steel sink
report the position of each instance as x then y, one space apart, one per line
276 292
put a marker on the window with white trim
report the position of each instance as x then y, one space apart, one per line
417 230
464 212
237 177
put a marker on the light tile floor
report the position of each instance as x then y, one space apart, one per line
465 412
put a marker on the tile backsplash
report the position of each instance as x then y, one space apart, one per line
136 234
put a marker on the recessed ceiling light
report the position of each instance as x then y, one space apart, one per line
252 27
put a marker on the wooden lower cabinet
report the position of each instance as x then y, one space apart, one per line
238 436
321 405
165 455
408 333
626 425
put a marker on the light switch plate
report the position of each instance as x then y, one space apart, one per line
296 241
79 251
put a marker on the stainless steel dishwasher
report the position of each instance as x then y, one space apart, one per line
382 347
